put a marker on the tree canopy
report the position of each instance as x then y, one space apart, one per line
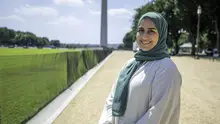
182 17
10 37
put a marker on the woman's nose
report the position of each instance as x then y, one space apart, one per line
145 36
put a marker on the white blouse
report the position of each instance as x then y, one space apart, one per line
153 97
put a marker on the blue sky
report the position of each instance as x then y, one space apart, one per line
70 21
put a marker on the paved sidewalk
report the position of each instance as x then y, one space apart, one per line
87 106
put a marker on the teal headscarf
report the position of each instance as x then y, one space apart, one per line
158 52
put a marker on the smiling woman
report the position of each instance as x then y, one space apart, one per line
147 90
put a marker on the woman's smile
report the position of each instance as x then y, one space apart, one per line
146 42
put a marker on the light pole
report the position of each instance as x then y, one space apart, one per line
199 11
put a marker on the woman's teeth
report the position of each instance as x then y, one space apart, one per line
146 42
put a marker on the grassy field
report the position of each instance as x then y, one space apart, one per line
31 78
22 51
28 82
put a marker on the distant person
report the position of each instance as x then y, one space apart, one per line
147 90
215 54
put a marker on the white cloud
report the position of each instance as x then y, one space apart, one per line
36 11
66 20
120 12
95 12
70 2
127 28
89 1
12 17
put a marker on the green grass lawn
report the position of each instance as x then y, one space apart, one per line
31 78
22 51
28 82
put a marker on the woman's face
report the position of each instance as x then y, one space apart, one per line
147 35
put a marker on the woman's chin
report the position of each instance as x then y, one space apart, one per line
142 49
145 49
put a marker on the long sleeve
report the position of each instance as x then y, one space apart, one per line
165 98
106 116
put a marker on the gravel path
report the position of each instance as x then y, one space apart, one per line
200 91
87 106
200 98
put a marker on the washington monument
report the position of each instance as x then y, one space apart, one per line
104 24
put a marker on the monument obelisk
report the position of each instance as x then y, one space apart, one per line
104 24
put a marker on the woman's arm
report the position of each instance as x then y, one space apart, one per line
165 98
106 116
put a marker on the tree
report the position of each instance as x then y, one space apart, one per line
6 36
31 39
169 42
128 39
20 38
56 43
188 11
182 15
12 35
46 40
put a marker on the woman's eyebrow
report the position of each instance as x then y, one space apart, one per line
140 28
148 28
152 28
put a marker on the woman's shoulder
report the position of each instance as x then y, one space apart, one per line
167 64
167 69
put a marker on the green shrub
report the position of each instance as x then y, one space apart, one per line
75 66
90 58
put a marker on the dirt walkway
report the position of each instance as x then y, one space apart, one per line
200 92
87 106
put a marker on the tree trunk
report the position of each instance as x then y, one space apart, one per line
218 40
176 45
192 37
217 34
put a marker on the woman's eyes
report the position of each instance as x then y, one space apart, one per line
148 32
151 31
140 30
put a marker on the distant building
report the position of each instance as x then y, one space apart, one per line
135 46
113 46
186 48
